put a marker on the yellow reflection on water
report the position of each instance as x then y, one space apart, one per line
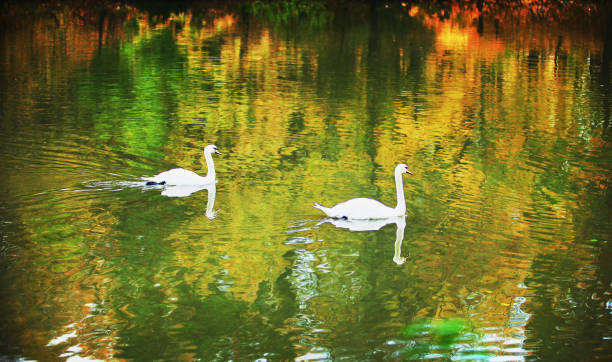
470 84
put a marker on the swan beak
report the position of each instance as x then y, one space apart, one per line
408 172
217 152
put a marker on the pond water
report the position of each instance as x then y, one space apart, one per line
504 253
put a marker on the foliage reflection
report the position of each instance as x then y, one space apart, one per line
505 126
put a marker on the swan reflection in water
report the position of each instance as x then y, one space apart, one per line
187 190
373 225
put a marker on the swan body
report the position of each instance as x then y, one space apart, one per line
366 208
179 177
183 177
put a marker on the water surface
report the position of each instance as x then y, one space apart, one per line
504 253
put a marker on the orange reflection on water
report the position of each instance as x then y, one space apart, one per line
459 87
224 23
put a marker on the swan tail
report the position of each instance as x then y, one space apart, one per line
326 210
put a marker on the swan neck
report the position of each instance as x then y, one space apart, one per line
401 201
210 165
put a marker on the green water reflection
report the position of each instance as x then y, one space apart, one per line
504 252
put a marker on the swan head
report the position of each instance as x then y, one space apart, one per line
210 149
402 168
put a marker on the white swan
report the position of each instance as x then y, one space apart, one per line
180 176
366 208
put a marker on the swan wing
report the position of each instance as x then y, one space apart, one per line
179 176
362 208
